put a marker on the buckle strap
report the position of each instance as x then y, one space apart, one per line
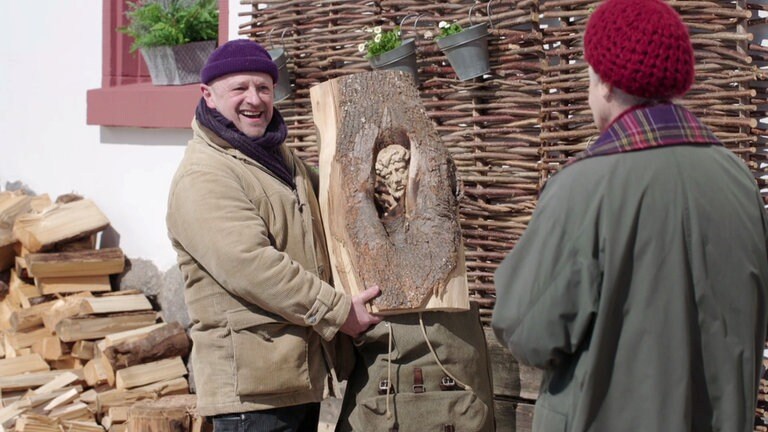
447 383
418 381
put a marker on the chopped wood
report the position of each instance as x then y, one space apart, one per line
6 310
63 308
29 317
21 292
66 362
73 284
84 350
95 327
80 244
122 397
168 341
128 336
62 399
48 380
20 267
95 373
59 223
102 305
27 338
77 410
156 415
119 414
148 373
82 263
81 426
23 364
51 348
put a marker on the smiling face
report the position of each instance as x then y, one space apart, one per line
245 98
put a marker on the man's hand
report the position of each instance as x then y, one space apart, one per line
359 319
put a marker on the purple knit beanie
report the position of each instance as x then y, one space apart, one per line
240 55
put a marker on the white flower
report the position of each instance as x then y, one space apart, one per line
377 38
377 29
361 47
442 24
428 34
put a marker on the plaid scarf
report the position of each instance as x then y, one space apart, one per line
649 127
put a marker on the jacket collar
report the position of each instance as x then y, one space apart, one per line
649 127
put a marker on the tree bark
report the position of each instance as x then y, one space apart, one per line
414 252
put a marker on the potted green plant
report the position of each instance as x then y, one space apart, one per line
386 50
175 37
466 49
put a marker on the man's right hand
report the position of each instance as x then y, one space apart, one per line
359 319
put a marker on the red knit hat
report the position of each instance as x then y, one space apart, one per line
641 47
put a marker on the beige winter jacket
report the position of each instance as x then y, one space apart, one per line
253 257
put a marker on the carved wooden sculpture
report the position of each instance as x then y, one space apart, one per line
388 194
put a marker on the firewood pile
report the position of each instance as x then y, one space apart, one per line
514 127
75 355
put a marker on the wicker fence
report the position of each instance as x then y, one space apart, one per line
511 129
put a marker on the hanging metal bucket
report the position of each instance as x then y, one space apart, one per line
283 87
402 58
467 51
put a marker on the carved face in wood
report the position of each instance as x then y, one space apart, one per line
390 196
391 176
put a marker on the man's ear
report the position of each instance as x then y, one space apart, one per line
208 95
606 91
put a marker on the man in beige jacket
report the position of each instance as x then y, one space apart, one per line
244 220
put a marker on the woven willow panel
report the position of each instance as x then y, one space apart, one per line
511 129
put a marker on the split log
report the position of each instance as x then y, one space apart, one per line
167 341
23 364
127 336
408 244
113 304
168 414
27 338
63 308
73 284
51 348
82 263
59 223
36 379
148 373
30 317
20 292
84 349
95 327
121 397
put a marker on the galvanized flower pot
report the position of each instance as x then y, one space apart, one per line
467 51
402 58
283 87
179 64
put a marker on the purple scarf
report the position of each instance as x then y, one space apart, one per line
649 127
265 149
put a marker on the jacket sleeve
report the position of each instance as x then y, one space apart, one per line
213 220
547 288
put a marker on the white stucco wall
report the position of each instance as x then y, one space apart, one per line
50 58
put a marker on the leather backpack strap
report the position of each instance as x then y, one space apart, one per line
418 380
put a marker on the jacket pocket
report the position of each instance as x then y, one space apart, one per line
430 411
270 356
547 420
